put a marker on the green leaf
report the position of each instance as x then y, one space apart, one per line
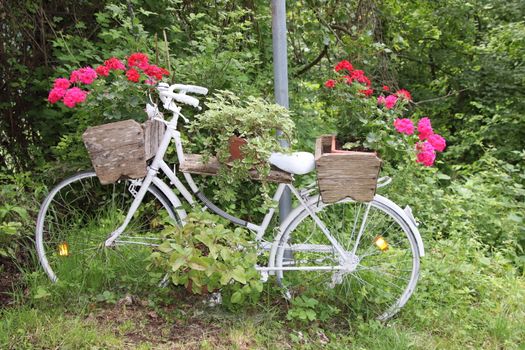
236 297
177 264
41 293
239 275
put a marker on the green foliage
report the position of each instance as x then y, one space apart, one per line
253 119
16 205
204 256
306 310
487 204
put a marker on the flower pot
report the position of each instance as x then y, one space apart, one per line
333 147
235 143
343 174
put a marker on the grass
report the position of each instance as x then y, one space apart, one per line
463 301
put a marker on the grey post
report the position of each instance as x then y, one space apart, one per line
280 76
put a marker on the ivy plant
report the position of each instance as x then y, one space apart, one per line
253 119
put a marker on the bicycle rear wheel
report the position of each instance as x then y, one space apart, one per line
374 279
76 218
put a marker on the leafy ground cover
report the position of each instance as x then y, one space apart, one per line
463 300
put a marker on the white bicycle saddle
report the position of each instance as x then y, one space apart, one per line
298 163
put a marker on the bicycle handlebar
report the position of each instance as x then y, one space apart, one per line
192 89
192 101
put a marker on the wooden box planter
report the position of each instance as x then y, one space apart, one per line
342 174
121 149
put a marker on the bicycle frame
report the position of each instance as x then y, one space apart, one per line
159 165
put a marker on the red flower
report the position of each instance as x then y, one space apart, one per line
348 79
386 88
138 60
114 64
404 94
344 64
367 92
360 76
133 75
155 71
102 71
330 83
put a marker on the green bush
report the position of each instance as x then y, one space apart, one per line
205 255
17 207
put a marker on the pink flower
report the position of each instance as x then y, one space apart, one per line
114 64
425 153
102 71
61 83
424 127
438 142
367 92
133 75
404 94
73 96
56 94
150 81
404 126
330 83
381 100
85 75
138 60
386 88
344 64
390 101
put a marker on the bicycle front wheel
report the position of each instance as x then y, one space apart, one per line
374 278
76 218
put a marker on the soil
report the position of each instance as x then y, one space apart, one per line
9 277
181 326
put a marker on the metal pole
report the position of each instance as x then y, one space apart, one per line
280 77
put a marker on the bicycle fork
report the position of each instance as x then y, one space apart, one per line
133 208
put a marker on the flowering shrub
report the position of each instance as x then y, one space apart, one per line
365 121
105 78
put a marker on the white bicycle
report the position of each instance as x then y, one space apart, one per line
362 255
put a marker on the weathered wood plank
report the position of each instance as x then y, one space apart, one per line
342 175
194 164
153 133
116 150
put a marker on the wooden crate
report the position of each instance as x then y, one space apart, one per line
349 174
116 150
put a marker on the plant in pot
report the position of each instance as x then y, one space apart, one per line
114 90
367 118
241 133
